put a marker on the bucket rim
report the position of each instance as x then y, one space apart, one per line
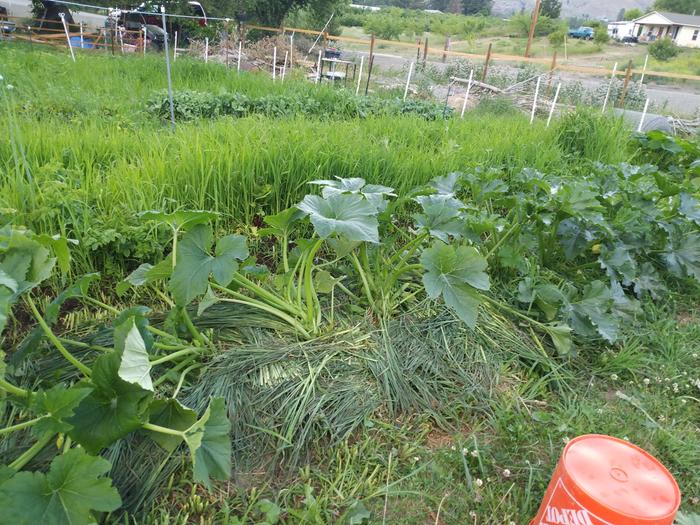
644 519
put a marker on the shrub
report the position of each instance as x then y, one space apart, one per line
557 38
601 36
664 49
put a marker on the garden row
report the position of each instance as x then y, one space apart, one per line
567 258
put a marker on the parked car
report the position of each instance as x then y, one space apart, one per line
584 33
629 39
6 26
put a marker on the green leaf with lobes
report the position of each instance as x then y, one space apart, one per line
457 274
441 217
281 223
210 444
682 256
194 263
170 413
56 405
113 409
135 365
179 220
345 215
68 494
374 193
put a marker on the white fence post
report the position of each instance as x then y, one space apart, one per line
554 104
65 29
318 67
607 94
206 49
644 115
82 36
359 75
240 50
145 39
408 81
466 95
644 69
274 63
284 67
175 47
534 101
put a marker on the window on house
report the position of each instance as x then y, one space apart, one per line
695 34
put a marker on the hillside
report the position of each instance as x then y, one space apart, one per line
593 8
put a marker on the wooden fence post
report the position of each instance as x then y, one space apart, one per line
551 73
425 51
486 65
447 48
533 25
625 86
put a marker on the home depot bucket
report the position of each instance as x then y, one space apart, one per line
601 480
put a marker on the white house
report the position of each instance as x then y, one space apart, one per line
684 30
619 30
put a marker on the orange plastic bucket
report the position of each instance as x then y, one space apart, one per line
601 480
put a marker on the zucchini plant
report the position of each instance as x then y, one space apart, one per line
106 394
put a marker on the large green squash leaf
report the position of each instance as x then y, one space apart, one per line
345 215
374 193
68 494
113 409
456 274
210 444
194 263
170 413
56 404
441 217
683 256
181 219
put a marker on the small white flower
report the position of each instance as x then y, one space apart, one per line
646 381
416 458
506 473
684 401
472 514
662 418
626 438
465 451
566 439
475 453
10 87
694 500
614 377
453 447
599 410
695 356
479 482
675 387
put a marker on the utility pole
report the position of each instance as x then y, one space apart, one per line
533 25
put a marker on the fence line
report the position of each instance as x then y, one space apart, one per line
36 37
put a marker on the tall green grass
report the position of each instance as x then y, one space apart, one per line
97 159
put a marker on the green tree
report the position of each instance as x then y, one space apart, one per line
663 49
477 7
687 7
556 39
632 14
384 25
601 37
551 8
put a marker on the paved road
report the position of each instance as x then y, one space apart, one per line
682 100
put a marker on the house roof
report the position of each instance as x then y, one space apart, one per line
673 18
